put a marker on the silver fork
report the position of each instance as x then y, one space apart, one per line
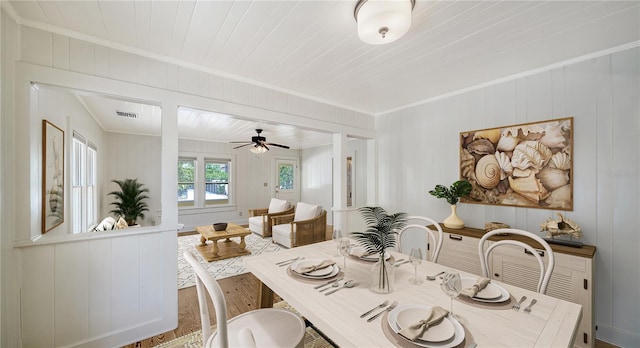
388 309
516 307
528 309
386 302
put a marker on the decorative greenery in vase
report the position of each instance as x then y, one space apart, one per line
452 194
130 202
458 189
380 234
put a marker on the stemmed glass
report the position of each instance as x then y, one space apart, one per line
451 286
337 237
415 256
345 247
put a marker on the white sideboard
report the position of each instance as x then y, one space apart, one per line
572 278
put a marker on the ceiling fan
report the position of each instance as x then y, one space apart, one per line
260 144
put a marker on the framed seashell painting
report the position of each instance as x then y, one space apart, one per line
526 165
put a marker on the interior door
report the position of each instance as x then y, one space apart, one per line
287 180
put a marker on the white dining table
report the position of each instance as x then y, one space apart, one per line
551 323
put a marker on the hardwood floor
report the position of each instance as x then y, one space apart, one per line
240 294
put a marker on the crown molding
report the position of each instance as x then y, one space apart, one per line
560 64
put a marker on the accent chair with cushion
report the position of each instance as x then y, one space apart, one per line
307 226
260 219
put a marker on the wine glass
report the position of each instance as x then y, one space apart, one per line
337 237
451 286
415 256
345 247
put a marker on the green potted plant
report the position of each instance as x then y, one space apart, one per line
452 194
129 201
380 234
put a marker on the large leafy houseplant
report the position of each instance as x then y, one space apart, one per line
130 200
379 235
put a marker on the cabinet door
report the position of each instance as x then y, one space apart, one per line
460 252
570 281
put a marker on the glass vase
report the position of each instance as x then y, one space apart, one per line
382 277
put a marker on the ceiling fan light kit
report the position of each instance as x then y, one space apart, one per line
383 21
260 144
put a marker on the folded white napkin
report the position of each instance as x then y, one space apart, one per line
362 252
480 284
321 265
433 316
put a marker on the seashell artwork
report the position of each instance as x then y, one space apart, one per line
561 226
493 135
552 178
530 154
527 165
488 172
481 147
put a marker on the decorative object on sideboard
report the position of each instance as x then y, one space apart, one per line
379 235
526 165
130 200
220 226
452 194
52 176
562 226
494 225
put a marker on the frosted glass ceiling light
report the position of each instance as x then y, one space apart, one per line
258 149
383 21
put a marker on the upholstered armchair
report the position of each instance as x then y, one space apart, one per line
260 219
307 226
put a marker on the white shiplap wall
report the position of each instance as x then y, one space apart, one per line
77 64
418 148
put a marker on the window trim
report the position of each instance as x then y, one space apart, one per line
87 146
199 185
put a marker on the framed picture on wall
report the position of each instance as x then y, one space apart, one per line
52 176
526 165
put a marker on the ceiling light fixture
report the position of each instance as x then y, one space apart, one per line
258 149
383 21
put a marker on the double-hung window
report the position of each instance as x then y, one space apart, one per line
84 201
204 181
186 182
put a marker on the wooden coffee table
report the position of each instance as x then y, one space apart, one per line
225 249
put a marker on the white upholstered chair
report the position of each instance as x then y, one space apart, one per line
421 223
545 272
258 328
260 219
307 226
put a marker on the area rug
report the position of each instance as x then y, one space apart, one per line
312 339
222 268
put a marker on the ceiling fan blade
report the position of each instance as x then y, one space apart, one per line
237 147
278 145
263 144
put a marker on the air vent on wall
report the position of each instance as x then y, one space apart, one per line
127 114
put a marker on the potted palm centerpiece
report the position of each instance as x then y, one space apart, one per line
129 201
380 234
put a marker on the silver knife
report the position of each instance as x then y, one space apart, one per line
397 264
327 283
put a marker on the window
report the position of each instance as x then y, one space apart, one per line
216 178
204 181
186 182
84 204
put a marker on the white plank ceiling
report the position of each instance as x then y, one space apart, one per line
311 48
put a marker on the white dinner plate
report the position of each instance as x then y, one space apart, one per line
438 333
492 293
358 251
326 272
457 338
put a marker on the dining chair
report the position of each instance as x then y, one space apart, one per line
267 327
545 272
436 236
